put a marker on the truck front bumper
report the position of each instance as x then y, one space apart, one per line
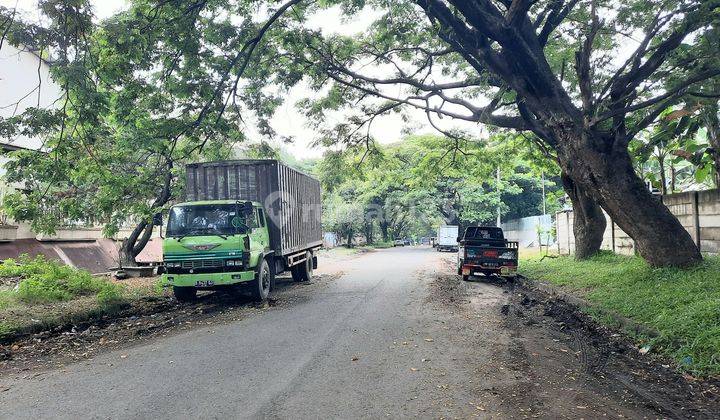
205 280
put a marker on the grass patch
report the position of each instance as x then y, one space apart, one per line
381 245
43 281
41 294
7 298
682 305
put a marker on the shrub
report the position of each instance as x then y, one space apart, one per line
45 280
110 294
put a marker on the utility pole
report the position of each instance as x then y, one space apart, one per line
497 186
542 175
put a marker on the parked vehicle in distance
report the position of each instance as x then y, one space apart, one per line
407 242
244 221
399 242
485 251
447 238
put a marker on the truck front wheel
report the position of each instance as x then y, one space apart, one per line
260 288
185 294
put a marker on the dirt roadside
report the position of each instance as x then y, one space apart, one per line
151 317
556 362
145 319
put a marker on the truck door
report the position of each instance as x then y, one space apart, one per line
261 233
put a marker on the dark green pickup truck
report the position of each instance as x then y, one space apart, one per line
483 250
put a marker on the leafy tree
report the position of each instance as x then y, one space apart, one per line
551 70
146 91
407 189
549 67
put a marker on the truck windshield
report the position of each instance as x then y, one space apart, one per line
210 219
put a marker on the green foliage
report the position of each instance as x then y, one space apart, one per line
110 294
6 329
45 280
7 298
141 102
682 305
407 189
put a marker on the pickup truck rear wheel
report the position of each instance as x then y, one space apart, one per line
260 287
185 294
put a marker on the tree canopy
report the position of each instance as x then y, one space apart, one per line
408 189
582 79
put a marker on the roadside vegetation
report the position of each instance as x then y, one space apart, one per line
681 305
38 294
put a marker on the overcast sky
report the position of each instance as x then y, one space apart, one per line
287 121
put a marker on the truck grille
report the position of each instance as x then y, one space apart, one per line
202 264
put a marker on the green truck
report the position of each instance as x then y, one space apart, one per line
243 222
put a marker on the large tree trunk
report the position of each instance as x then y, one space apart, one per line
607 174
141 234
350 238
384 229
588 220
135 243
369 233
591 141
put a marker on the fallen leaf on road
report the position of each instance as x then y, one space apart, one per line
355 358
582 407
413 369
123 356
425 360
429 340
4 388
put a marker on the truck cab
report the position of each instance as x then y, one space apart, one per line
483 250
215 243
243 222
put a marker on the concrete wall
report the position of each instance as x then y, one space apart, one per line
525 230
697 211
25 82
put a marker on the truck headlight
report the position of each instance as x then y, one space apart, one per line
233 263
507 255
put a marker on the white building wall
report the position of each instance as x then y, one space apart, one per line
24 83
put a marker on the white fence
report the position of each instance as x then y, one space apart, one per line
529 231
697 211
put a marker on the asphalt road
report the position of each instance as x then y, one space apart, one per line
365 345
390 334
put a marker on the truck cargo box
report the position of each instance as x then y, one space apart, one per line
290 197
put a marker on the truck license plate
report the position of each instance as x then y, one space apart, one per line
208 283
